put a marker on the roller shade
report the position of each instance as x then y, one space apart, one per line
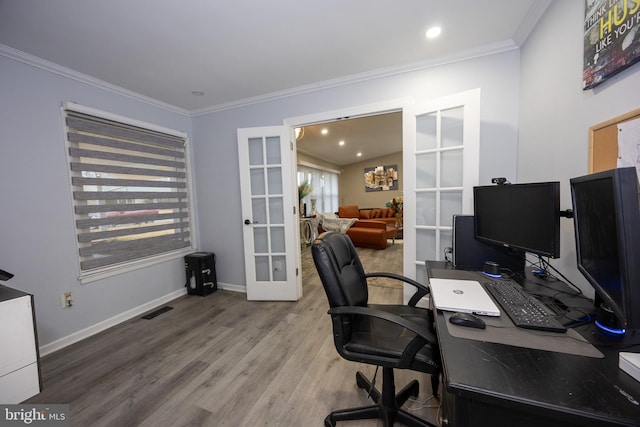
130 191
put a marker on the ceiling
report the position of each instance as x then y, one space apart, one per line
373 136
243 51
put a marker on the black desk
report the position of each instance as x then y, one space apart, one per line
501 385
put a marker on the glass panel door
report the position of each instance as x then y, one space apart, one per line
268 214
441 158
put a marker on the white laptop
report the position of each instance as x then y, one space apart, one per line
467 296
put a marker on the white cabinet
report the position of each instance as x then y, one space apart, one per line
19 370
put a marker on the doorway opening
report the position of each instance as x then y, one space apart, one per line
331 157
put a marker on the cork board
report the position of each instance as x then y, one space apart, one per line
603 142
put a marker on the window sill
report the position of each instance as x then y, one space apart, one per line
105 273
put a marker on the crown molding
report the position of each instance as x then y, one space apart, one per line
530 21
54 68
465 55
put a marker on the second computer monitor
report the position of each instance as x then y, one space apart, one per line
519 216
470 254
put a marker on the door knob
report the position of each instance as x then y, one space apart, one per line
247 222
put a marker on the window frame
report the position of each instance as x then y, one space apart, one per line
93 274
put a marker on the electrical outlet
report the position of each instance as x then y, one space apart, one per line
66 299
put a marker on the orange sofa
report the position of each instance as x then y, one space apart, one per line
386 215
368 231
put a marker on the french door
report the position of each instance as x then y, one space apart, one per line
268 214
441 163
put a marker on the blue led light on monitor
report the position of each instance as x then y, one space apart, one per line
495 276
611 331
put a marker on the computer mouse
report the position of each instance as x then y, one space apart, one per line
467 319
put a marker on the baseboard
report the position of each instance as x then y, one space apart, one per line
233 288
106 324
122 317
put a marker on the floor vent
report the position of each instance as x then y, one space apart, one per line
156 313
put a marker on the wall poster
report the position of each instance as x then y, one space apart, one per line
611 39
381 178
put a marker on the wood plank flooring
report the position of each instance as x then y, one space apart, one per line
221 360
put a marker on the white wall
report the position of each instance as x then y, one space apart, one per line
37 239
217 175
555 113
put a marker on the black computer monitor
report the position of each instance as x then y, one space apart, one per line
519 216
606 211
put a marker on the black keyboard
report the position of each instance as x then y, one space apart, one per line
524 310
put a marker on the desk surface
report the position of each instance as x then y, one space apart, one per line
533 387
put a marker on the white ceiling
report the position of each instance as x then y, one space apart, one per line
242 51
373 136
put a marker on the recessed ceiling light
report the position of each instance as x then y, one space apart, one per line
433 32
341 143
359 154
324 131
197 93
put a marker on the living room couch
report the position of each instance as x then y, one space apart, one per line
371 229
386 215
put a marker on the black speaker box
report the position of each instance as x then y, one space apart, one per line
470 253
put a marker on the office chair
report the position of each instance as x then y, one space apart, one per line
389 336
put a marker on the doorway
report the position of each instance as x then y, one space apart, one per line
440 140
440 145
342 149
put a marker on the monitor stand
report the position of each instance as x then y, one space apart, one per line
627 341
609 323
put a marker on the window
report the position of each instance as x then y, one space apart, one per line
130 189
324 185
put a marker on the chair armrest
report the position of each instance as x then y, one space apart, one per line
421 290
400 321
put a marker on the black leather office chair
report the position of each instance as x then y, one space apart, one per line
390 336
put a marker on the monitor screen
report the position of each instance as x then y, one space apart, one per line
519 216
606 211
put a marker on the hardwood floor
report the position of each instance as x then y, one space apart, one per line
221 360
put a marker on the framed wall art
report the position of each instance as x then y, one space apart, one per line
381 178
611 39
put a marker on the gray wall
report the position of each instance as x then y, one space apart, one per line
37 242
555 113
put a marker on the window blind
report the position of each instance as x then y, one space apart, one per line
130 191
324 186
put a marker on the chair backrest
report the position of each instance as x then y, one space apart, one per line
340 270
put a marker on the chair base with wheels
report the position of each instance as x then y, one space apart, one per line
388 403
